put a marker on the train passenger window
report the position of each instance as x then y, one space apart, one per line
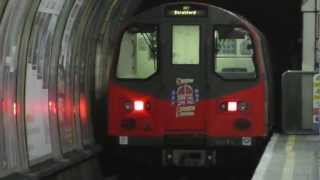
138 58
234 53
185 44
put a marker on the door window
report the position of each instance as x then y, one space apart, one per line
185 44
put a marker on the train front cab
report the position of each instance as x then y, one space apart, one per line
188 84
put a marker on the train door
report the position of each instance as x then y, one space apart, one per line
184 78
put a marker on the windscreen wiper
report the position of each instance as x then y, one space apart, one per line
150 43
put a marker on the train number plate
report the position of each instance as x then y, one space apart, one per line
123 140
246 141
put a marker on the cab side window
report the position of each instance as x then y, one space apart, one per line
138 58
234 53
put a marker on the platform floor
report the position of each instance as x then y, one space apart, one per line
290 157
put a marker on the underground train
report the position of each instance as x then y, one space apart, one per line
187 80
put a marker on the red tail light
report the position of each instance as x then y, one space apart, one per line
232 106
138 105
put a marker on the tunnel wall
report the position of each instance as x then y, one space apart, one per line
105 51
48 51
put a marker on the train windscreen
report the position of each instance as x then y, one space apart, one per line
234 53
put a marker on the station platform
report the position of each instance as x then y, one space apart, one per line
290 157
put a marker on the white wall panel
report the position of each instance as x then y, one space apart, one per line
308 53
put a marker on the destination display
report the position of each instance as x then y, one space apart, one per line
186 11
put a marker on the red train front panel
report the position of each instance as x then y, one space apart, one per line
220 117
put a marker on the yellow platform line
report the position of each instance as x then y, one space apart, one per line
287 173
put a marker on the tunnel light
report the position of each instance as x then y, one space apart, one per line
50 106
83 110
138 105
14 109
232 106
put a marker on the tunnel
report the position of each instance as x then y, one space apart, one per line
55 59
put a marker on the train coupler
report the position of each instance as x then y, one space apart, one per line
189 158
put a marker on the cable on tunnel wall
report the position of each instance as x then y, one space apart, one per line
3 5
87 55
78 100
53 54
65 95
29 19
65 52
82 70
53 74
107 27
70 100
41 138
103 55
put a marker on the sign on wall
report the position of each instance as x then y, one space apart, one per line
316 103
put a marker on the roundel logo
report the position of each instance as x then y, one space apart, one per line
185 95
